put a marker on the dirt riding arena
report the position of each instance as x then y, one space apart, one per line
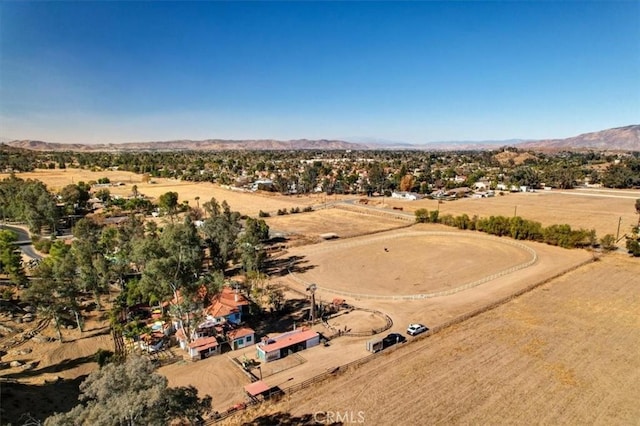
417 281
402 263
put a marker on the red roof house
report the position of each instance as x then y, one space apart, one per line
228 305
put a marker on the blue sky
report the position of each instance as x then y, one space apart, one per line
416 72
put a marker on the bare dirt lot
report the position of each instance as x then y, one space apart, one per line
565 353
48 379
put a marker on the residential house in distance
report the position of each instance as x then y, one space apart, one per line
404 195
482 185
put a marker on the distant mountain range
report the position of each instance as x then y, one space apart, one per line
618 139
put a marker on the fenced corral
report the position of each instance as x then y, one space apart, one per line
533 257
339 332
377 212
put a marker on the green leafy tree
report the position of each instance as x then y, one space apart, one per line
104 195
220 232
11 258
74 196
617 176
252 252
422 216
168 202
132 394
633 247
93 272
37 206
175 271
53 290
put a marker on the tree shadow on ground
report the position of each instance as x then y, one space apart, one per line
66 364
21 401
289 420
281 266
96 331
294 311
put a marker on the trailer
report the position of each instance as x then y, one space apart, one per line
375 345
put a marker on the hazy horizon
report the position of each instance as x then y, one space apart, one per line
405 72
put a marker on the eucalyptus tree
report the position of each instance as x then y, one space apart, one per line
74 197
220 231
175 270
54 290
251 244
37 206
11 258
93 271
168 202
131 394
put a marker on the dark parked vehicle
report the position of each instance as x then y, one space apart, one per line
392 339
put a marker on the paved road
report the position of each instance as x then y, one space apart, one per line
24 241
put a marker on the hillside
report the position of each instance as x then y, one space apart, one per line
190 145
617 139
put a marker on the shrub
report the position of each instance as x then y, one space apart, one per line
103 357
422 216
263 214
633 246
42 244
608 242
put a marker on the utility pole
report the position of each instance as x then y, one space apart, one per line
618 233
312 289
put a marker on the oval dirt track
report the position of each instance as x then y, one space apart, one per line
412 264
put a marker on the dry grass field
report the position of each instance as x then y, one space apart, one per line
598 209
342 223
245 202
565 353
